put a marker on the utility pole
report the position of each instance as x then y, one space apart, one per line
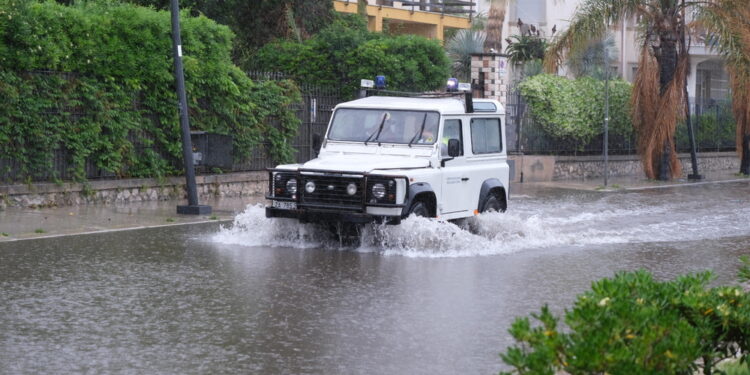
192 208
688 121
606 117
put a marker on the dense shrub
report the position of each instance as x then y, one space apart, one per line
122 85
714 127
345 52
574 109
632 324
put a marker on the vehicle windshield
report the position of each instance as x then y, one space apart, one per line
384 126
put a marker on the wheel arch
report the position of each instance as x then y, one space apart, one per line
421 191
492 186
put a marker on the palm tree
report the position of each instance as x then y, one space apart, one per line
495 19
728 25
658 94
460 48
525 47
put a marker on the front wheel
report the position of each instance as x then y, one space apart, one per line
493 205
419 208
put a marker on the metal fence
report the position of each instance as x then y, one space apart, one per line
314 112
713 124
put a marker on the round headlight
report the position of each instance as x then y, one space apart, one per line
378 190
291 186
310 187
351 189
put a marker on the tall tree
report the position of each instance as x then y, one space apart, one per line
494 26
728 25
658 95
257 22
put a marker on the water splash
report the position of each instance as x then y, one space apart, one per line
531 223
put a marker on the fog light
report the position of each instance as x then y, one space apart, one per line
378 190
351 189
310 187
291 186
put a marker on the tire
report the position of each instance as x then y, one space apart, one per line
419 208
493 204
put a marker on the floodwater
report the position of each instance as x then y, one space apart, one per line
273 296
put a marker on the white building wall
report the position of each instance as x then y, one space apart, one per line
546 14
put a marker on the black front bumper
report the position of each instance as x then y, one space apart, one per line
316 216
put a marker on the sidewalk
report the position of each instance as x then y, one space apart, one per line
632 183
19 224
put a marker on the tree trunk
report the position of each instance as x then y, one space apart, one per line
667 58
665 169
494 27
745 162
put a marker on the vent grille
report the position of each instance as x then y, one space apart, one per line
331 191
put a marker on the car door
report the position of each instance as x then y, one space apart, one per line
486 157
455 180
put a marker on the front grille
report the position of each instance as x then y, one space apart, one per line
331 191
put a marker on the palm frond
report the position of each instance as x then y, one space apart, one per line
727 23
591 21
459 49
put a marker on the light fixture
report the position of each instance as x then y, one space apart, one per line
310 187
291 186
380 82
378 190
351 189
451 85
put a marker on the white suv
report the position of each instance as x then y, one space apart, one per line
385 158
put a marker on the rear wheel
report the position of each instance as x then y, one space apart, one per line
419 208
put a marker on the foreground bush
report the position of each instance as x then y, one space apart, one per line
632 324
574 109
117 105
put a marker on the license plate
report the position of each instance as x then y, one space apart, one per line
285 205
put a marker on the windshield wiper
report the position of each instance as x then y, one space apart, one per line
380 128
414 138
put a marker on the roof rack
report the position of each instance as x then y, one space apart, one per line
465 97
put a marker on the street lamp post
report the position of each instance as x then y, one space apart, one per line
606 118
192 208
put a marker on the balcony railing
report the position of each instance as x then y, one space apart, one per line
452 7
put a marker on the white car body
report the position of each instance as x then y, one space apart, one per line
450 187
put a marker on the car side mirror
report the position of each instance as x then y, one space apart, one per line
454 147
317 140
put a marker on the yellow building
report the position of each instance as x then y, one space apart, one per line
419 17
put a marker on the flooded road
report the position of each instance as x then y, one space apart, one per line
266 296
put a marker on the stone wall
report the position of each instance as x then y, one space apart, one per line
131 190
582 167
539 168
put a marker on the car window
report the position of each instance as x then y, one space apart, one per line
388 126
486 136
452 130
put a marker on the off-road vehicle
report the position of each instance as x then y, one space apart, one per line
384 158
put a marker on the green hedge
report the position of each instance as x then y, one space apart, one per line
124 84
633 324
574 109
345 52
